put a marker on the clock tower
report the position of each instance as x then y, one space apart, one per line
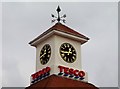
58 52
59 45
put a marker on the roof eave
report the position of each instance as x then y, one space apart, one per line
57 32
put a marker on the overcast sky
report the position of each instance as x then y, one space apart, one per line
22 22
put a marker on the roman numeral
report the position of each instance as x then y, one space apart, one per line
68 45
65 58
73 57
74 54
48 51
48 55
63 54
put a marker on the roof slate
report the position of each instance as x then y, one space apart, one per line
61 82
62 28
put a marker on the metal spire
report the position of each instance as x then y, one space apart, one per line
58 18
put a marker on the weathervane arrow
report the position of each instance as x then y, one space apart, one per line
58 18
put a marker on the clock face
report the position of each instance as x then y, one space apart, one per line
68 52
45 54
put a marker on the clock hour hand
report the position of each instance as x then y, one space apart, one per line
66 52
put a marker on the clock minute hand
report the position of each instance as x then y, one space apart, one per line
70 51
42 55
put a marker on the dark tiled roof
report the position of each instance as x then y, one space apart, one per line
62 28
58 81
66 29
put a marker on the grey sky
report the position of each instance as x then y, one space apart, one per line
24 21
0 44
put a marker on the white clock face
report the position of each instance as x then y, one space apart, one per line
68 52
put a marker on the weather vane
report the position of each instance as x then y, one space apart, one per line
58 18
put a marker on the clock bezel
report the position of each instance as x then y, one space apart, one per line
61 54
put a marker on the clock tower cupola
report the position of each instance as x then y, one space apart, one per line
59 48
